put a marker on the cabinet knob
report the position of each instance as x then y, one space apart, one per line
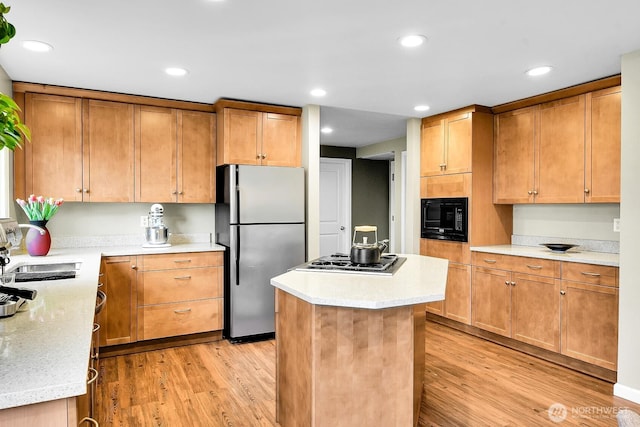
180 193
530 192
134 267
562 292
535 193
264 156
586 191
506 282
174 192
259 156
513 283
85 190
78 190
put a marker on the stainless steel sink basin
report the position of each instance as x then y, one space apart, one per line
45 271
56 266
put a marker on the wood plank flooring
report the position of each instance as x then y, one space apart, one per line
468 382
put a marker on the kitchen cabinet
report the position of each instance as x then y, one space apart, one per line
564 151
118 318
53 158
446 145
108 152
602 161
517 297
174 155
179 294
254 137
589 295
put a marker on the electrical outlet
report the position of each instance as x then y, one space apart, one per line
144 221
616 225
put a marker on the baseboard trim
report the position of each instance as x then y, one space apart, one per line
550 356
626 392
160 343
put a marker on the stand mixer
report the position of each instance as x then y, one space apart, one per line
156 234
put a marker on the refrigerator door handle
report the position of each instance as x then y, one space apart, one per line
237 256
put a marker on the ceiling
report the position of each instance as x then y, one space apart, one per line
277 51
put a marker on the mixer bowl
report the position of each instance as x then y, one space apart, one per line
156 235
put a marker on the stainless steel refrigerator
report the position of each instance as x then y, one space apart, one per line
260 219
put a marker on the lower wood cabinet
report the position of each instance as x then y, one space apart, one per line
565 307
179 294
164 295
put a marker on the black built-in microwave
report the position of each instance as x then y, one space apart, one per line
445 219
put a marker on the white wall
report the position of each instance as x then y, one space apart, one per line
588 221
628 385
412 222
75 219
311 163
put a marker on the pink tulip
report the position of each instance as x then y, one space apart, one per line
32 198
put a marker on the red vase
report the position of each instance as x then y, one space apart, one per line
38 244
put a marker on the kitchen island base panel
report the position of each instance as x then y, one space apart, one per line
340 366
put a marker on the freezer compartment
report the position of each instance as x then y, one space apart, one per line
264 194
257 253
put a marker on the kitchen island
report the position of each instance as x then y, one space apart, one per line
350 346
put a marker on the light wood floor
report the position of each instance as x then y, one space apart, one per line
468 382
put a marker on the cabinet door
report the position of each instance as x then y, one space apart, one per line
457 302
54 156
242 133
602 160
432 148
108 147
513 177
196 157
590 323
281 145
491 300
560 154
458 144
155 154
118 317
536 311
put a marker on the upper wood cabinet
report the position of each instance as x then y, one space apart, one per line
565 151
446 145
251 136
108 152
53 159
175 155
602 160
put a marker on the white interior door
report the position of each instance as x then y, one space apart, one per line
335 206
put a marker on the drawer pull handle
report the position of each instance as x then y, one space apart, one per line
534 267
586 273
490 261
182 277
563 293
186 310
181 261
94 377
89 420
96 328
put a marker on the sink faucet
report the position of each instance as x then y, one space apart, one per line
10 235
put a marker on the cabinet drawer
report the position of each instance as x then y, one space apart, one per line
166 320
180 285
181 260
453 251
457 185
536 266
486 259
590 273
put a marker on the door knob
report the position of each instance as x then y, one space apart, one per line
342 228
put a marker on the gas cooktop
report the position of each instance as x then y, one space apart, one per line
341 263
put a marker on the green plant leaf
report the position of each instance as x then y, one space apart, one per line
11 30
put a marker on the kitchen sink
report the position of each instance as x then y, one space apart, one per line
45 271
56 266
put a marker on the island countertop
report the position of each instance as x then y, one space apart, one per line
420 279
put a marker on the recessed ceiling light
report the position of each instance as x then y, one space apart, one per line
413 40
37 46
538 71
421 108
318 92
175 71
326 129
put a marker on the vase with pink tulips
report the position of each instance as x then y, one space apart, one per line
39 210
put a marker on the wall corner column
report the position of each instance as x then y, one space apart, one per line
311 164
412 231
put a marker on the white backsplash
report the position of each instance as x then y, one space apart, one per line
124 240
607 246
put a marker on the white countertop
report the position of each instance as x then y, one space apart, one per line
44 347
572 255
420 279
